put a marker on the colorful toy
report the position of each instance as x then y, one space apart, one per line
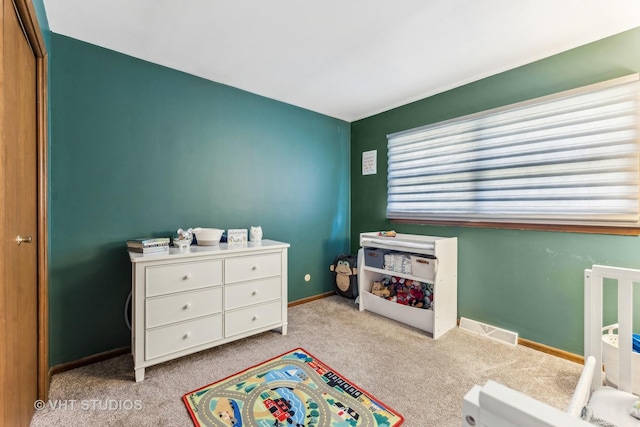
410 292
416 295
401 286
428 295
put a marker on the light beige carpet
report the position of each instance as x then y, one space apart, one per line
421 378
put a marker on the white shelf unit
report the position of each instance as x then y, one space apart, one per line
444 314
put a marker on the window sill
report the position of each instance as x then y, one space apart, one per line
589 229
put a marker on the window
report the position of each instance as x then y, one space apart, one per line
569 158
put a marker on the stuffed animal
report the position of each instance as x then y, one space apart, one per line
402 297
382 289
346 272
387 284
416 295
398 283
400 286
379 290
428 295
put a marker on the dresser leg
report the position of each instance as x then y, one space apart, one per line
283 329
139 374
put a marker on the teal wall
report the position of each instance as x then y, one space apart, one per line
138 150
527 281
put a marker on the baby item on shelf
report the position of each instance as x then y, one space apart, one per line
379 289
402 291
388 261
416 294
406 264
428 295
376 289
411 292
389 292
398 262
407 292
402 263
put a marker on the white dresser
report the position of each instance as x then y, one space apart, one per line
197 298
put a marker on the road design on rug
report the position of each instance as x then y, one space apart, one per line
293 390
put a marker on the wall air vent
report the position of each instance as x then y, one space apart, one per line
489 331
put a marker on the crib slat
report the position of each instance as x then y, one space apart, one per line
625 334
587 314
593 323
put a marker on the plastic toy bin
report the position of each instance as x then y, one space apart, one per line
374 257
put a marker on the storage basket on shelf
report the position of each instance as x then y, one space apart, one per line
610 360
374 257
424 266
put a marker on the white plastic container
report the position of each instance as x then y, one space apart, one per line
208 236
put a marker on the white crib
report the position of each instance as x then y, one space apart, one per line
494 405
618 364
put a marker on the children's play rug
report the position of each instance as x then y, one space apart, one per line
294 389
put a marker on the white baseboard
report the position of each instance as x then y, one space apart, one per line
489 331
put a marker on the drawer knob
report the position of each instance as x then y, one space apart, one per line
254 293
187 335
187 277
187 306
254 268
255 318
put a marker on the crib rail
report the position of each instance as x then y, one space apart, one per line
594 283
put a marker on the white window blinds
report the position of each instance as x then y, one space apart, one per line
569 158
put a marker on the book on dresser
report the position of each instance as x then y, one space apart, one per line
149 245
150 250
148 242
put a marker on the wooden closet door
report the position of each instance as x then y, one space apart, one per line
18 215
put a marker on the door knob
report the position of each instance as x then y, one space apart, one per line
21 239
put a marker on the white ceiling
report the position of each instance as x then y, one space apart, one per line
347 59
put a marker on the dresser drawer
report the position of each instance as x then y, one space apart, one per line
183 306
179 277
254 317
252 267
181 336
247 293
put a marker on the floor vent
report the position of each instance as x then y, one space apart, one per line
489 331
